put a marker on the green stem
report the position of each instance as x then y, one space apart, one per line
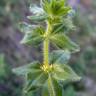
46 52
46 46
51 87
46 57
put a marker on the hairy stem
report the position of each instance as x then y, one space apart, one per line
50 87
46 52
46 46
46 57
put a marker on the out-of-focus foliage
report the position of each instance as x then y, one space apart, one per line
10 11
2 66
5 7
9 84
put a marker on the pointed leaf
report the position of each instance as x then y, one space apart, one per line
63 27
23 70
60 11
55 7
34 71
34 37
38 14
64 73
46 5
37 78
36 10
63 42
38 18
59 57
25 27
31 76
29 89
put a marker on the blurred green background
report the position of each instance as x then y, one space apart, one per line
13 54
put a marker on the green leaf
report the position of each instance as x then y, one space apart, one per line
59 57
25 27
52 88
36 10
38 18
68 24
46 5
31 76
55 7
63 27
64 73
37 78
38 14
23 70
63 42
20 70
60 11
29 89
34 37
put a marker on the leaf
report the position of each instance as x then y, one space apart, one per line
25 27
68 24
20 70
34 37
59 57
37 78
63 42
46 5
60 11
23 70
38 14
63 27
31 76
29 89
38 18
55 7
51 88
36 10
64 73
